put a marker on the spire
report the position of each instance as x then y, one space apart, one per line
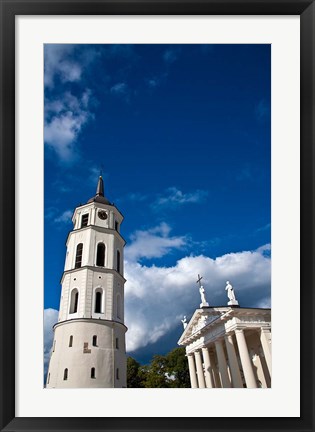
100 187
99 196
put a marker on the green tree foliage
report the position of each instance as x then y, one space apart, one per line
178 368
156 373
134 374
167 371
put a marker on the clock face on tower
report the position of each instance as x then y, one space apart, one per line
102 214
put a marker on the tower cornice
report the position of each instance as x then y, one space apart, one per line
98 229
91 320
93 268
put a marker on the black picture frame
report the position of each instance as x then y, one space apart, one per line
9 10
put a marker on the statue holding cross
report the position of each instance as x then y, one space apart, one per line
204 302
199 280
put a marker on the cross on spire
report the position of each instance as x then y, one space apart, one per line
199 280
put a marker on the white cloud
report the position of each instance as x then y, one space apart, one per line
64 120
66 114
50 318
68 103
155 297
171 198
58 62
67 63
119 88
65 217
174 197
153 243
265 250
61 133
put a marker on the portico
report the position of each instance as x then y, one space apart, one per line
229 347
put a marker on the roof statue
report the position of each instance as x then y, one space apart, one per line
204 302
231 295
184 321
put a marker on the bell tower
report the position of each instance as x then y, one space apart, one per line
89 338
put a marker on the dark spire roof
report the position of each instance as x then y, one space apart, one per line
99 197
100 187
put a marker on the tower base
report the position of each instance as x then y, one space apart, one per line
88 353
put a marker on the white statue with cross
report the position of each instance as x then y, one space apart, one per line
204 302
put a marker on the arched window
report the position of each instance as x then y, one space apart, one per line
74 301
100 255
118 306
94 342
78 255
92 372
118 261
84 220
65 375
98 302
70 341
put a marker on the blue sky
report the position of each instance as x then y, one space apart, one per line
182 133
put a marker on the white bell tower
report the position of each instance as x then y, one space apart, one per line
89 338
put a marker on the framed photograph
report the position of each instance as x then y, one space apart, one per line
169 145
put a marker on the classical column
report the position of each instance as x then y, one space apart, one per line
192 371
208 371
266 347
245 359
222 365
200 374
216 376
234 368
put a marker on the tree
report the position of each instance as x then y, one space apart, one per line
167 371
156 373
177 368
135 376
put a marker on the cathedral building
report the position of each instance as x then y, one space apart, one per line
228 346
89 337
